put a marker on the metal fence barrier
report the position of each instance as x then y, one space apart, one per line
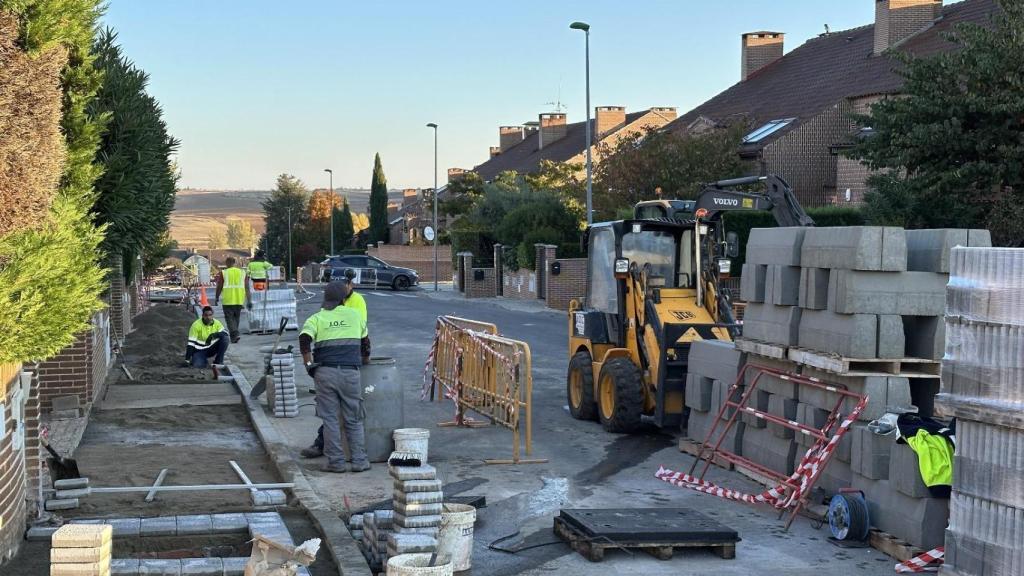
485 373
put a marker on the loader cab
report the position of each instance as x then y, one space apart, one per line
657 209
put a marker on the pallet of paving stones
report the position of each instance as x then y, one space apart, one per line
658 532
765 349
907 367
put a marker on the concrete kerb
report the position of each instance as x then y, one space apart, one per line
339 541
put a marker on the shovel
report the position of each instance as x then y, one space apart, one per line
261 385
61 468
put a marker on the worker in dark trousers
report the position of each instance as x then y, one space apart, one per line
355 301
233 287
207 340
331 348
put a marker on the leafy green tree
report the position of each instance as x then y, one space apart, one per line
216 239
290 196
344 231
378 203
643 166
138 185
461 194
155 255
240 234
950 151
50 279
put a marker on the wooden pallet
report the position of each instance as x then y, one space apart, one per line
892 546
593 549
692 447
761 348
906 367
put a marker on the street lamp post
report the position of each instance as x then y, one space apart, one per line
289 270
434 126
331 173
590 166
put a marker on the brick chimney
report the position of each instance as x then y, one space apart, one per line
552 128
509 136
456 173
409 195
759 50
530 128
666 113
897 20
495 151
608 119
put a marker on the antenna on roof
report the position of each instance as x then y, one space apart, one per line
557 104
827 29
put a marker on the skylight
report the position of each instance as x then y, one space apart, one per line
767 130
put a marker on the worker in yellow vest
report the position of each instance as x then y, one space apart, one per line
233 288
207 342
259 271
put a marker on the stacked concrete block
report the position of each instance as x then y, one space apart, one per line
870 453
772 324
903 293
929 250
776 246
417 498
852 335
269 307
715 359
919 521
813 292
782 285
759 400
713 367
983 385
378 525
282 394
769 382
885 393
81 550
752 282
763 448
855 248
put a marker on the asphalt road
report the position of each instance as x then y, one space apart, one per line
586 468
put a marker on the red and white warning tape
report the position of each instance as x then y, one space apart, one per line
927 562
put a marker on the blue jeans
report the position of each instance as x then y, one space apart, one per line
200 358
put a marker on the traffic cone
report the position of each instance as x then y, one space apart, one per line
203 300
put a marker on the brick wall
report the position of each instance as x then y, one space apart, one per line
521 284
571 282
79 369
102 356
419 258
851 175
12 463
485 288
33 449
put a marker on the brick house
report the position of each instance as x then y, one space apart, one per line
799 104
522 148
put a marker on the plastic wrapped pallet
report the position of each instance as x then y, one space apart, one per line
986 285
269 306
986 537
989 462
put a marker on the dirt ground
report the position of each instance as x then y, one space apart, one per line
155 351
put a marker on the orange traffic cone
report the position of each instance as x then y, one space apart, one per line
203 300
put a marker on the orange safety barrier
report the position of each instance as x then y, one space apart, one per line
485 373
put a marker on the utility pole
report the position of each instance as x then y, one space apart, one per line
436 231
590 166
331 173
288 272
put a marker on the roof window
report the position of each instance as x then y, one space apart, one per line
767 130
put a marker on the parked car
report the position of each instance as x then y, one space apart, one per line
369 271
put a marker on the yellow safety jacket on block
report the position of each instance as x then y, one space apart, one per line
258 269
233 293
336 336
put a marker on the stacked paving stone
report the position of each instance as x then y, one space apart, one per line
417 499
269 306
983 386
282 394
78 550
377 526
854 292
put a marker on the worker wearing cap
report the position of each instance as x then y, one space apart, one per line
206 338
233 293
332 350
259 270
355 301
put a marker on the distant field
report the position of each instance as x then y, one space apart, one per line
198 212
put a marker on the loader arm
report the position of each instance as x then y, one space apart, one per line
777 198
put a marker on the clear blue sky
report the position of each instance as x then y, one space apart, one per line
254 88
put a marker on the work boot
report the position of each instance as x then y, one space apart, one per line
311 452
333 469
216 372
363 467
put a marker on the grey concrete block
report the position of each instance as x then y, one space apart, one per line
925 336
721 391
836 476
159 526
920 521
40 533
418 498
813 293
905 472
870 453
773 324
812 417
125 527
855 248
698 392
152 567
124 567
417 521
903 293
885 393
715 359
425 472
783 407
202 567
430 531
852 335
419 485
758 401
698 425
194 524
752 282
777 454
414 509
929 250
769 382
230 522
782 285
780 246
411 543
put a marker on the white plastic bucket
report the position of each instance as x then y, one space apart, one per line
416 565
412 440
455 539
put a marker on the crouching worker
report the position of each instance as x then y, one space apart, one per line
330 343
207 340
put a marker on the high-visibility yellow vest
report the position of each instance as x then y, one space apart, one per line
199 333
336 335
258 269
356 301
233 293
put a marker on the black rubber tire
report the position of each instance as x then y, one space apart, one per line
627 406
400 283
582 363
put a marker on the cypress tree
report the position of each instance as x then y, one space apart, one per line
343 228
378 203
